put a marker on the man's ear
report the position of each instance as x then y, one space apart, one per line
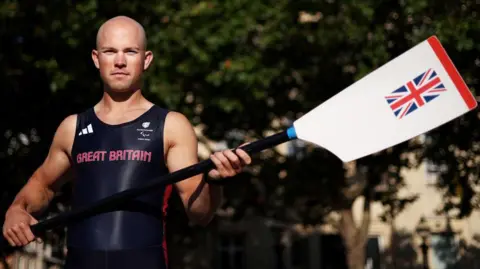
148 59
95 58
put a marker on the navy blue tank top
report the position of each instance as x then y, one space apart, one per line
112 158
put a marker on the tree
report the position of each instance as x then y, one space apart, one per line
238 70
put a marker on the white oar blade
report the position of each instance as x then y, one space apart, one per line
417 91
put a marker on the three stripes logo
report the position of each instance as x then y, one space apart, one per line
88 130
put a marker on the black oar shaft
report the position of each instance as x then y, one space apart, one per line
118 198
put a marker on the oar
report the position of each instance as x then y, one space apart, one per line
417 91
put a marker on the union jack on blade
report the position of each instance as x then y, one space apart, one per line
415 93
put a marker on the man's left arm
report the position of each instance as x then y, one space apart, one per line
199 198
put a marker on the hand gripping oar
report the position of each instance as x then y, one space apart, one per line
417 91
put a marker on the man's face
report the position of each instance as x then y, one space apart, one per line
121 57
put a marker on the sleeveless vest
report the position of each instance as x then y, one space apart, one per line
111 158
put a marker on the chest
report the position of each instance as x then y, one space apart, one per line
134 142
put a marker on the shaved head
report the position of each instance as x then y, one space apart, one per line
121 55
123 22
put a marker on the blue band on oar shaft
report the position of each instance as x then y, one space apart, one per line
292 134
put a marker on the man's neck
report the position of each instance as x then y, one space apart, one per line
114 101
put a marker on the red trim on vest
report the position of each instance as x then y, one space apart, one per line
166 196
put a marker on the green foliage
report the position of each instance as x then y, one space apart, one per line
240 67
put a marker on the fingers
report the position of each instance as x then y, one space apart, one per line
19 231
235 162
19 235
9 238
244 156
33 221
222 164
12 235
16 229
214 174
10 241
228 163
27 232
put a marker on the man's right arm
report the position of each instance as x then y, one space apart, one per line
40 188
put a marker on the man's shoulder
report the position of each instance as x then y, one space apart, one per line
178 126
175 119
68 126
69 122
65 133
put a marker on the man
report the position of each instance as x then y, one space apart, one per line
122 142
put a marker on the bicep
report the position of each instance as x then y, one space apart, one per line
182 151
57 162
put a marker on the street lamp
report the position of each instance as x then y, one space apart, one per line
423 230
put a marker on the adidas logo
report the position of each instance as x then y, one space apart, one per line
88 130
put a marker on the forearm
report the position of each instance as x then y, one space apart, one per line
34 196
203 203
